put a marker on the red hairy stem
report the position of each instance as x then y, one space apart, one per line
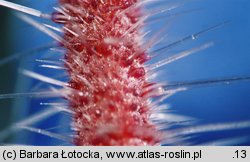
105 62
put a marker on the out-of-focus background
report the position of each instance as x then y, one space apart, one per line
18 39
229 57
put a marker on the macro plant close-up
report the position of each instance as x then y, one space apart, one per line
125 72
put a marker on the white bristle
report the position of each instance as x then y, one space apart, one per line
24 9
